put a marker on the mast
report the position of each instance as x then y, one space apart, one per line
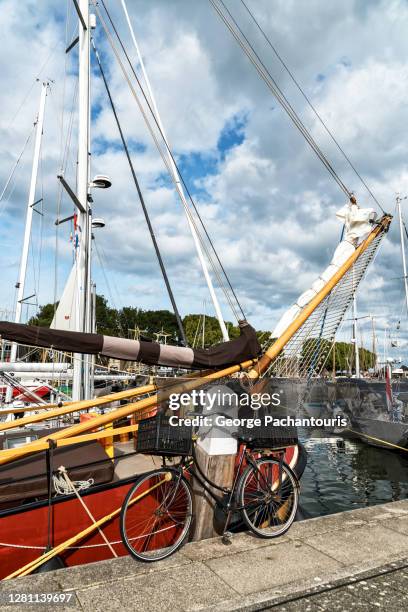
20 286
177 181
80 385
355 341
404 263
374 347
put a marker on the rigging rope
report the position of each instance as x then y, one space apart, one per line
142 203
169 153
313 108
16 163
264 73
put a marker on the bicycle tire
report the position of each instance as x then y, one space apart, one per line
157 515
267 511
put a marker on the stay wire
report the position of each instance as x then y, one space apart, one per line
16 163
142 202
165 160
169 152
182 180
313 108
248 49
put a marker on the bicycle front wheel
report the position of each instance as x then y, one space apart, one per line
156 515
268 495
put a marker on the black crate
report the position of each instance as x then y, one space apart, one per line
155 436
268 436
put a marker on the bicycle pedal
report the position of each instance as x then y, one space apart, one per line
227 537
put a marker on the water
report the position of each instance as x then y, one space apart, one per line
346 474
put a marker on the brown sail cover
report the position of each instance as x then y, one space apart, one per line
26 478
151 353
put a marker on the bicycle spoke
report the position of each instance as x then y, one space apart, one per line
155 524
268 497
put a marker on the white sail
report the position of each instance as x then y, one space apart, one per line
66 315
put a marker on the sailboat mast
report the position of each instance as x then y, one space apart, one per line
404 263
177 181
80 386
355 332
374 346
29 219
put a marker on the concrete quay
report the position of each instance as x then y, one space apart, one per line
356 560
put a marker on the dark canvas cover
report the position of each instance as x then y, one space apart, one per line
26 479
240 349
245 347
33 335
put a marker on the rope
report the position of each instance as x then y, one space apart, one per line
313 108
62 488
169 153
264 73
16 163
71 485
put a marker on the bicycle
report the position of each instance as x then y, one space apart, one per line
158 512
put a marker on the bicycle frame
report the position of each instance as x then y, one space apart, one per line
226 506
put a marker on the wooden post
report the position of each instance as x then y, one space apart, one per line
219 469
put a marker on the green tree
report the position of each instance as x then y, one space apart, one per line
107 318
149 322
44 315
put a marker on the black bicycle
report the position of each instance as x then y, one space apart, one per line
158 512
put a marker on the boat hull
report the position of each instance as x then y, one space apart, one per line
24 532
381 433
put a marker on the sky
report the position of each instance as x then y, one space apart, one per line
267 202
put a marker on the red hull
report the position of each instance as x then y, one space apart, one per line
23 534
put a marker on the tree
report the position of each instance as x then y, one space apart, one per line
44 316
148 321
107 319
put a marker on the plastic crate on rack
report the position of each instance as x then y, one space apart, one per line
268 436
155 436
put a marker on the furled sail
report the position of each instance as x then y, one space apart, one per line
307 349
246 346
358 222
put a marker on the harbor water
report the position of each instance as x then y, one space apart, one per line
344 474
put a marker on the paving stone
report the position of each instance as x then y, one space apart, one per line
325 524
113 569
183 589
371 542
270 566
399 524
214 547
37 583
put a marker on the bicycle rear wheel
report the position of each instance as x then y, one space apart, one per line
157 514
268 499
